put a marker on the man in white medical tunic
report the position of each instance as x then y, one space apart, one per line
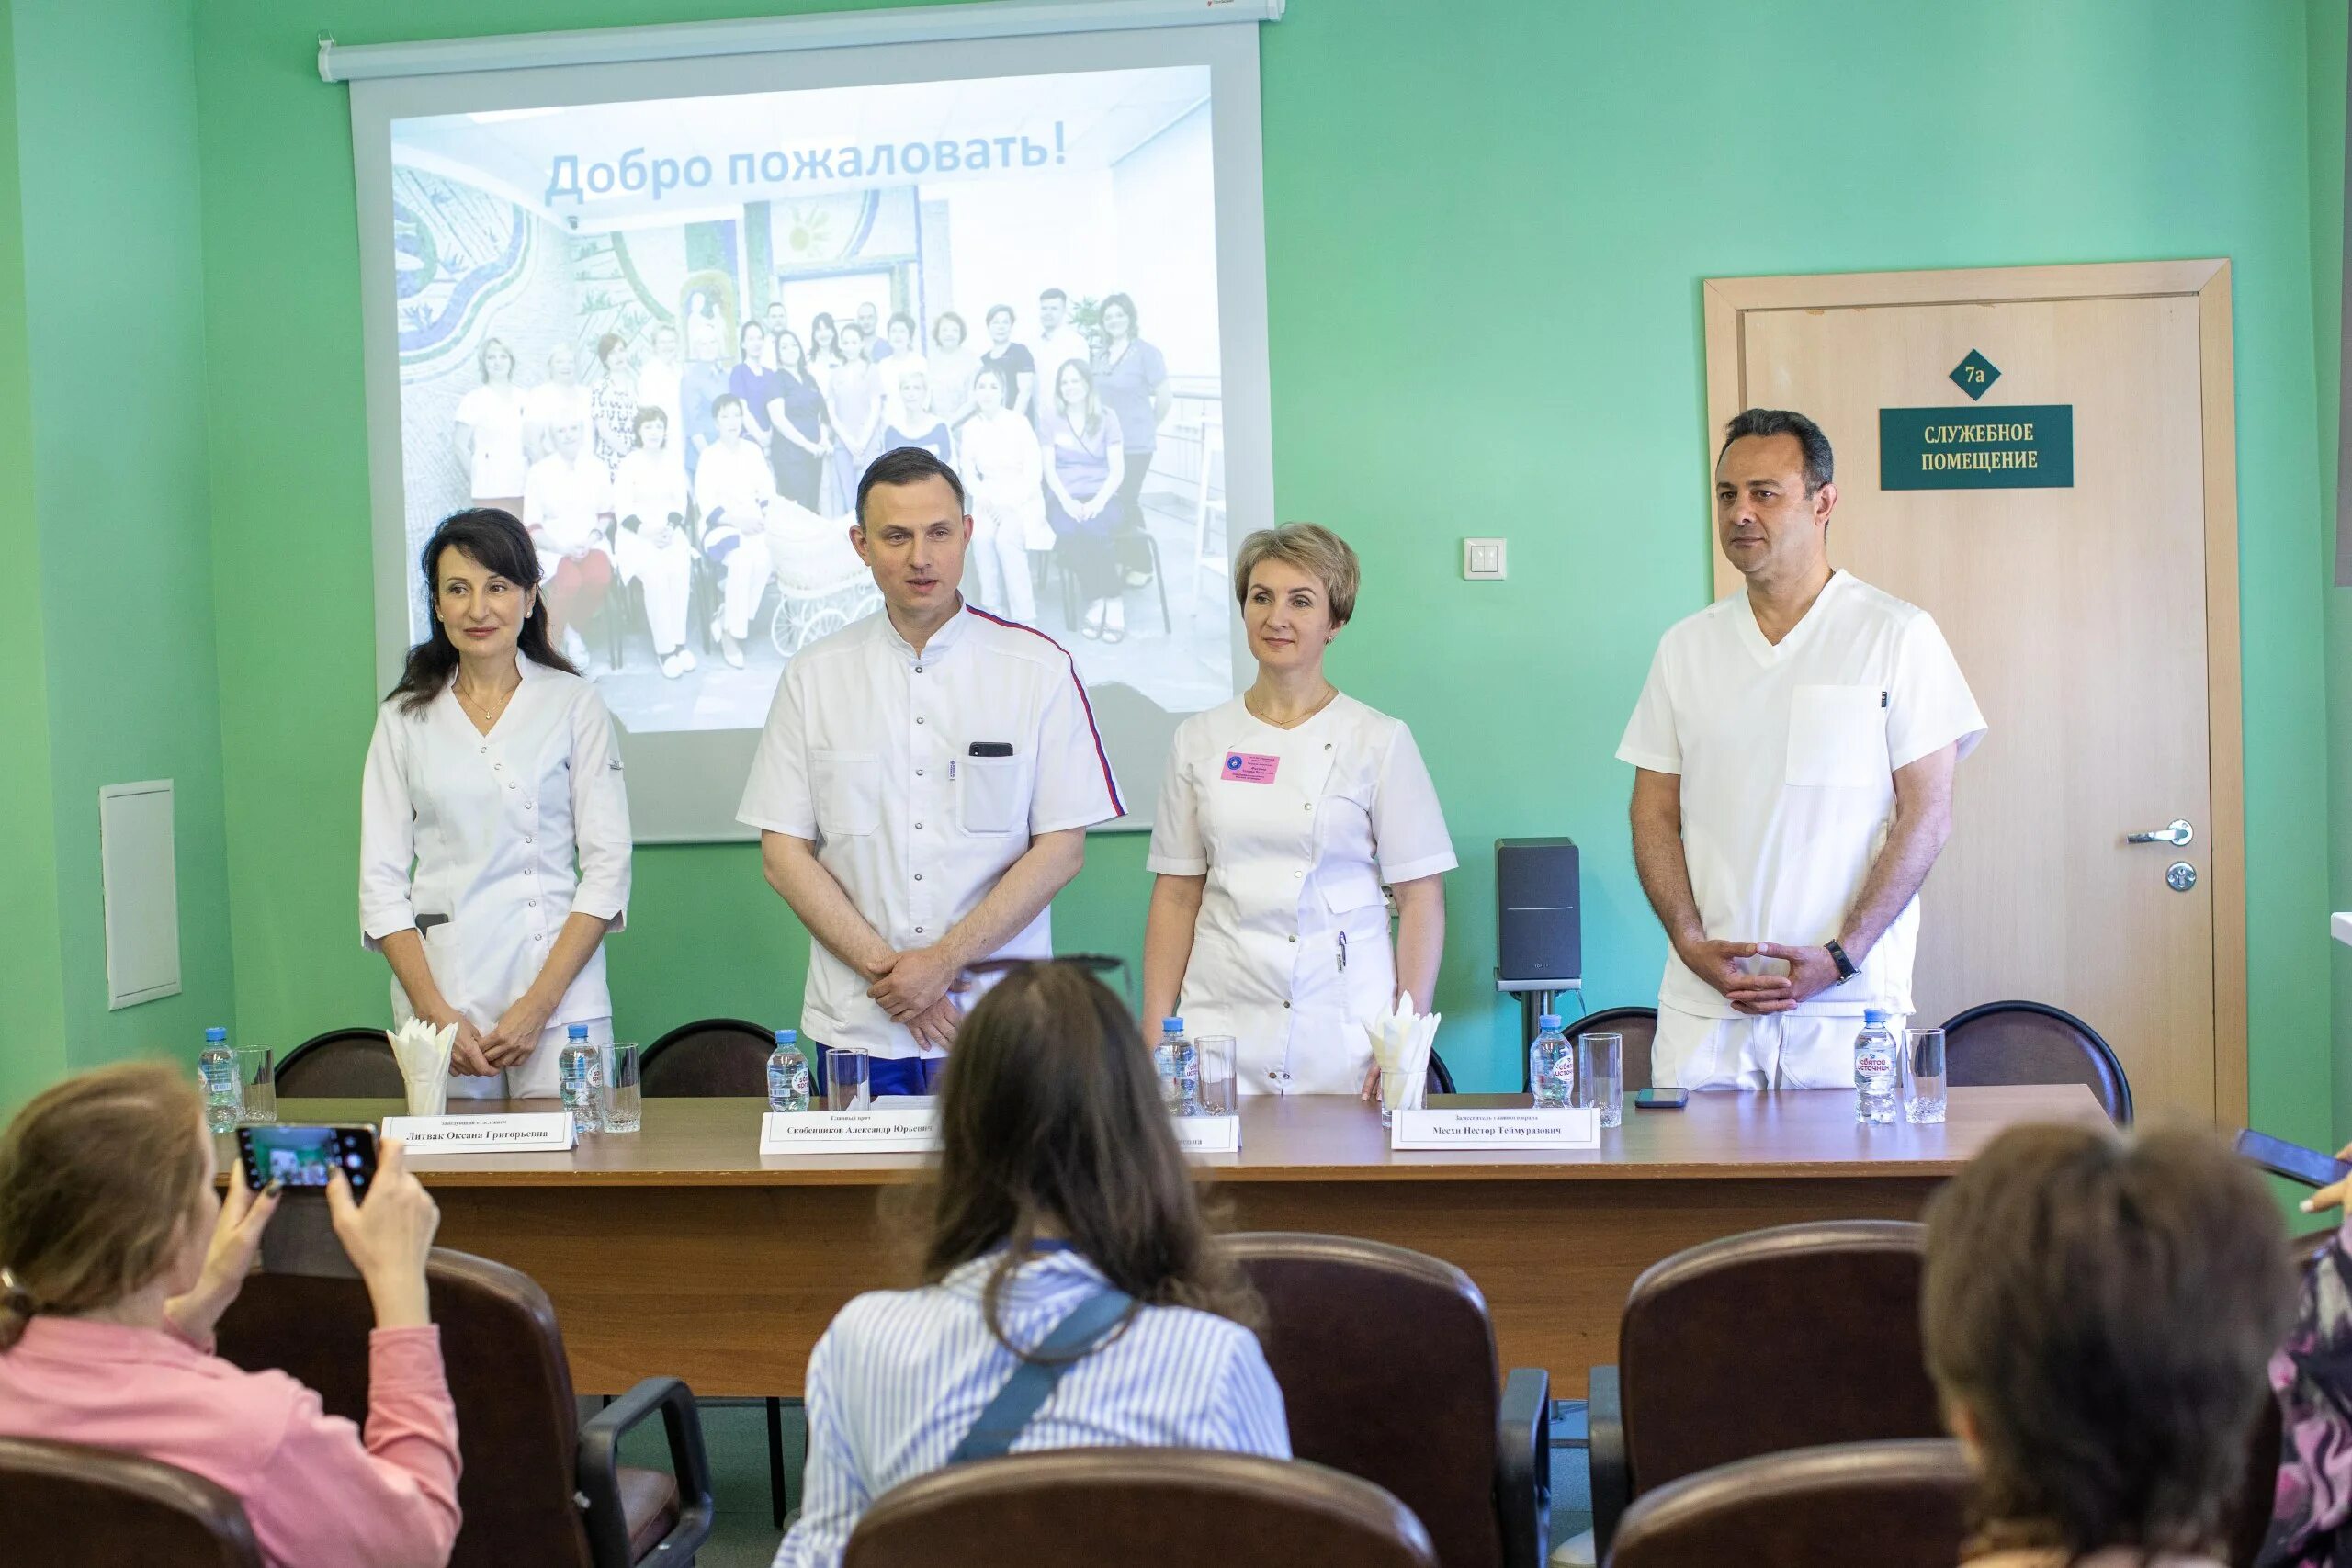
923 786
1794 747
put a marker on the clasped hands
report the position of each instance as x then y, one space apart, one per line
914 989
475 1053
1811 971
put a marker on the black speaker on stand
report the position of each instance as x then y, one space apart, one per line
1539 928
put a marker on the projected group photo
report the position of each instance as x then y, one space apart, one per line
670 335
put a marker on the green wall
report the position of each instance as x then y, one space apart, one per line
33 1051
2326 64
108 427
1487 224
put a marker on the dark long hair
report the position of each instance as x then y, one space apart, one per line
1050 1117
2103 1308
494 538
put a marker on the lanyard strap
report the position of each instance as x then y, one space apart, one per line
1008 1414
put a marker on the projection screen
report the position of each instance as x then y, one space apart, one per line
568 271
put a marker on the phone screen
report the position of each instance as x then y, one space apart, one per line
2291 1160
297 1156
1662 1098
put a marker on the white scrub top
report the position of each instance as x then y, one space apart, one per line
495 413
564 506
485 830
1787 755
868 755
1295 830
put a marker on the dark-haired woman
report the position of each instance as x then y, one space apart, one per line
494 827
2097 1312
1059 1197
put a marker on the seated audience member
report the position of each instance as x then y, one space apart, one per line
1060 1196
116 1261
2311 1526
2098 1313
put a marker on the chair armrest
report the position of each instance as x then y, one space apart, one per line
1612 1482
1523 1467
598 1473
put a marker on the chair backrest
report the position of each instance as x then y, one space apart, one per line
1140 1508
710 1058
1639 1027
518 1428
1388 1366
1781 1339
71 1506
342 1064
1906 1500
2013 1043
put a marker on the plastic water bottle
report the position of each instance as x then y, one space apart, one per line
1551 1065
581 1067
217 1065
1178 1063
1874 1071
788 1073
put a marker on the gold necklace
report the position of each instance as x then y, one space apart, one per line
483 710
1330 692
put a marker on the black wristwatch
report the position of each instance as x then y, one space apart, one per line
1846 970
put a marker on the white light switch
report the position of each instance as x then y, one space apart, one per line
1483 561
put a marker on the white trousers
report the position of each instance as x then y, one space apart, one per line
1781 1050
536 1076
748 570
668 576
1000 555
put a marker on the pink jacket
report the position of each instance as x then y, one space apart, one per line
317 1498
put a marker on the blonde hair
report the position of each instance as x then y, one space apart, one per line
99 1177
1311 549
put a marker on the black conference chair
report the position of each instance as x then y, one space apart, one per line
71 1506
711 1058
723 1058
342 1064
2030 1042
1441 1081
1639 1028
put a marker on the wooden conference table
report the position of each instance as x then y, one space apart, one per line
680 1249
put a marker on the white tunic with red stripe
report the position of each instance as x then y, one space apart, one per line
920 778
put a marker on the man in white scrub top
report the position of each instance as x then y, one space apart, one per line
923 786
1056 342
1794 747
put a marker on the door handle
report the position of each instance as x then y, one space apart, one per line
2178 834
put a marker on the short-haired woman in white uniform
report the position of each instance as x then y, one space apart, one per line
1281 814
494 826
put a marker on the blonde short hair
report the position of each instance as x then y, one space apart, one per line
1313 550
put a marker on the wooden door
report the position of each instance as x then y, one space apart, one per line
2096 621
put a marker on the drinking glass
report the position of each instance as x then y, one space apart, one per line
621 1096
1601 1077
257 1076
848 1074
1220 1089
1396 1093
1923 1075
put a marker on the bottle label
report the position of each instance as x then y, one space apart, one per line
1873 1064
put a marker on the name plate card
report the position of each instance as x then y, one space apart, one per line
1208 1135
497 1133
877 1132
1511 1128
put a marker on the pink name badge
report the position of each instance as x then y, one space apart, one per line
1250 767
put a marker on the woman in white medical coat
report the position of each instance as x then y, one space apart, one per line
1281 815
494 827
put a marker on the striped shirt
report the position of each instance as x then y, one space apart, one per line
902 1375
